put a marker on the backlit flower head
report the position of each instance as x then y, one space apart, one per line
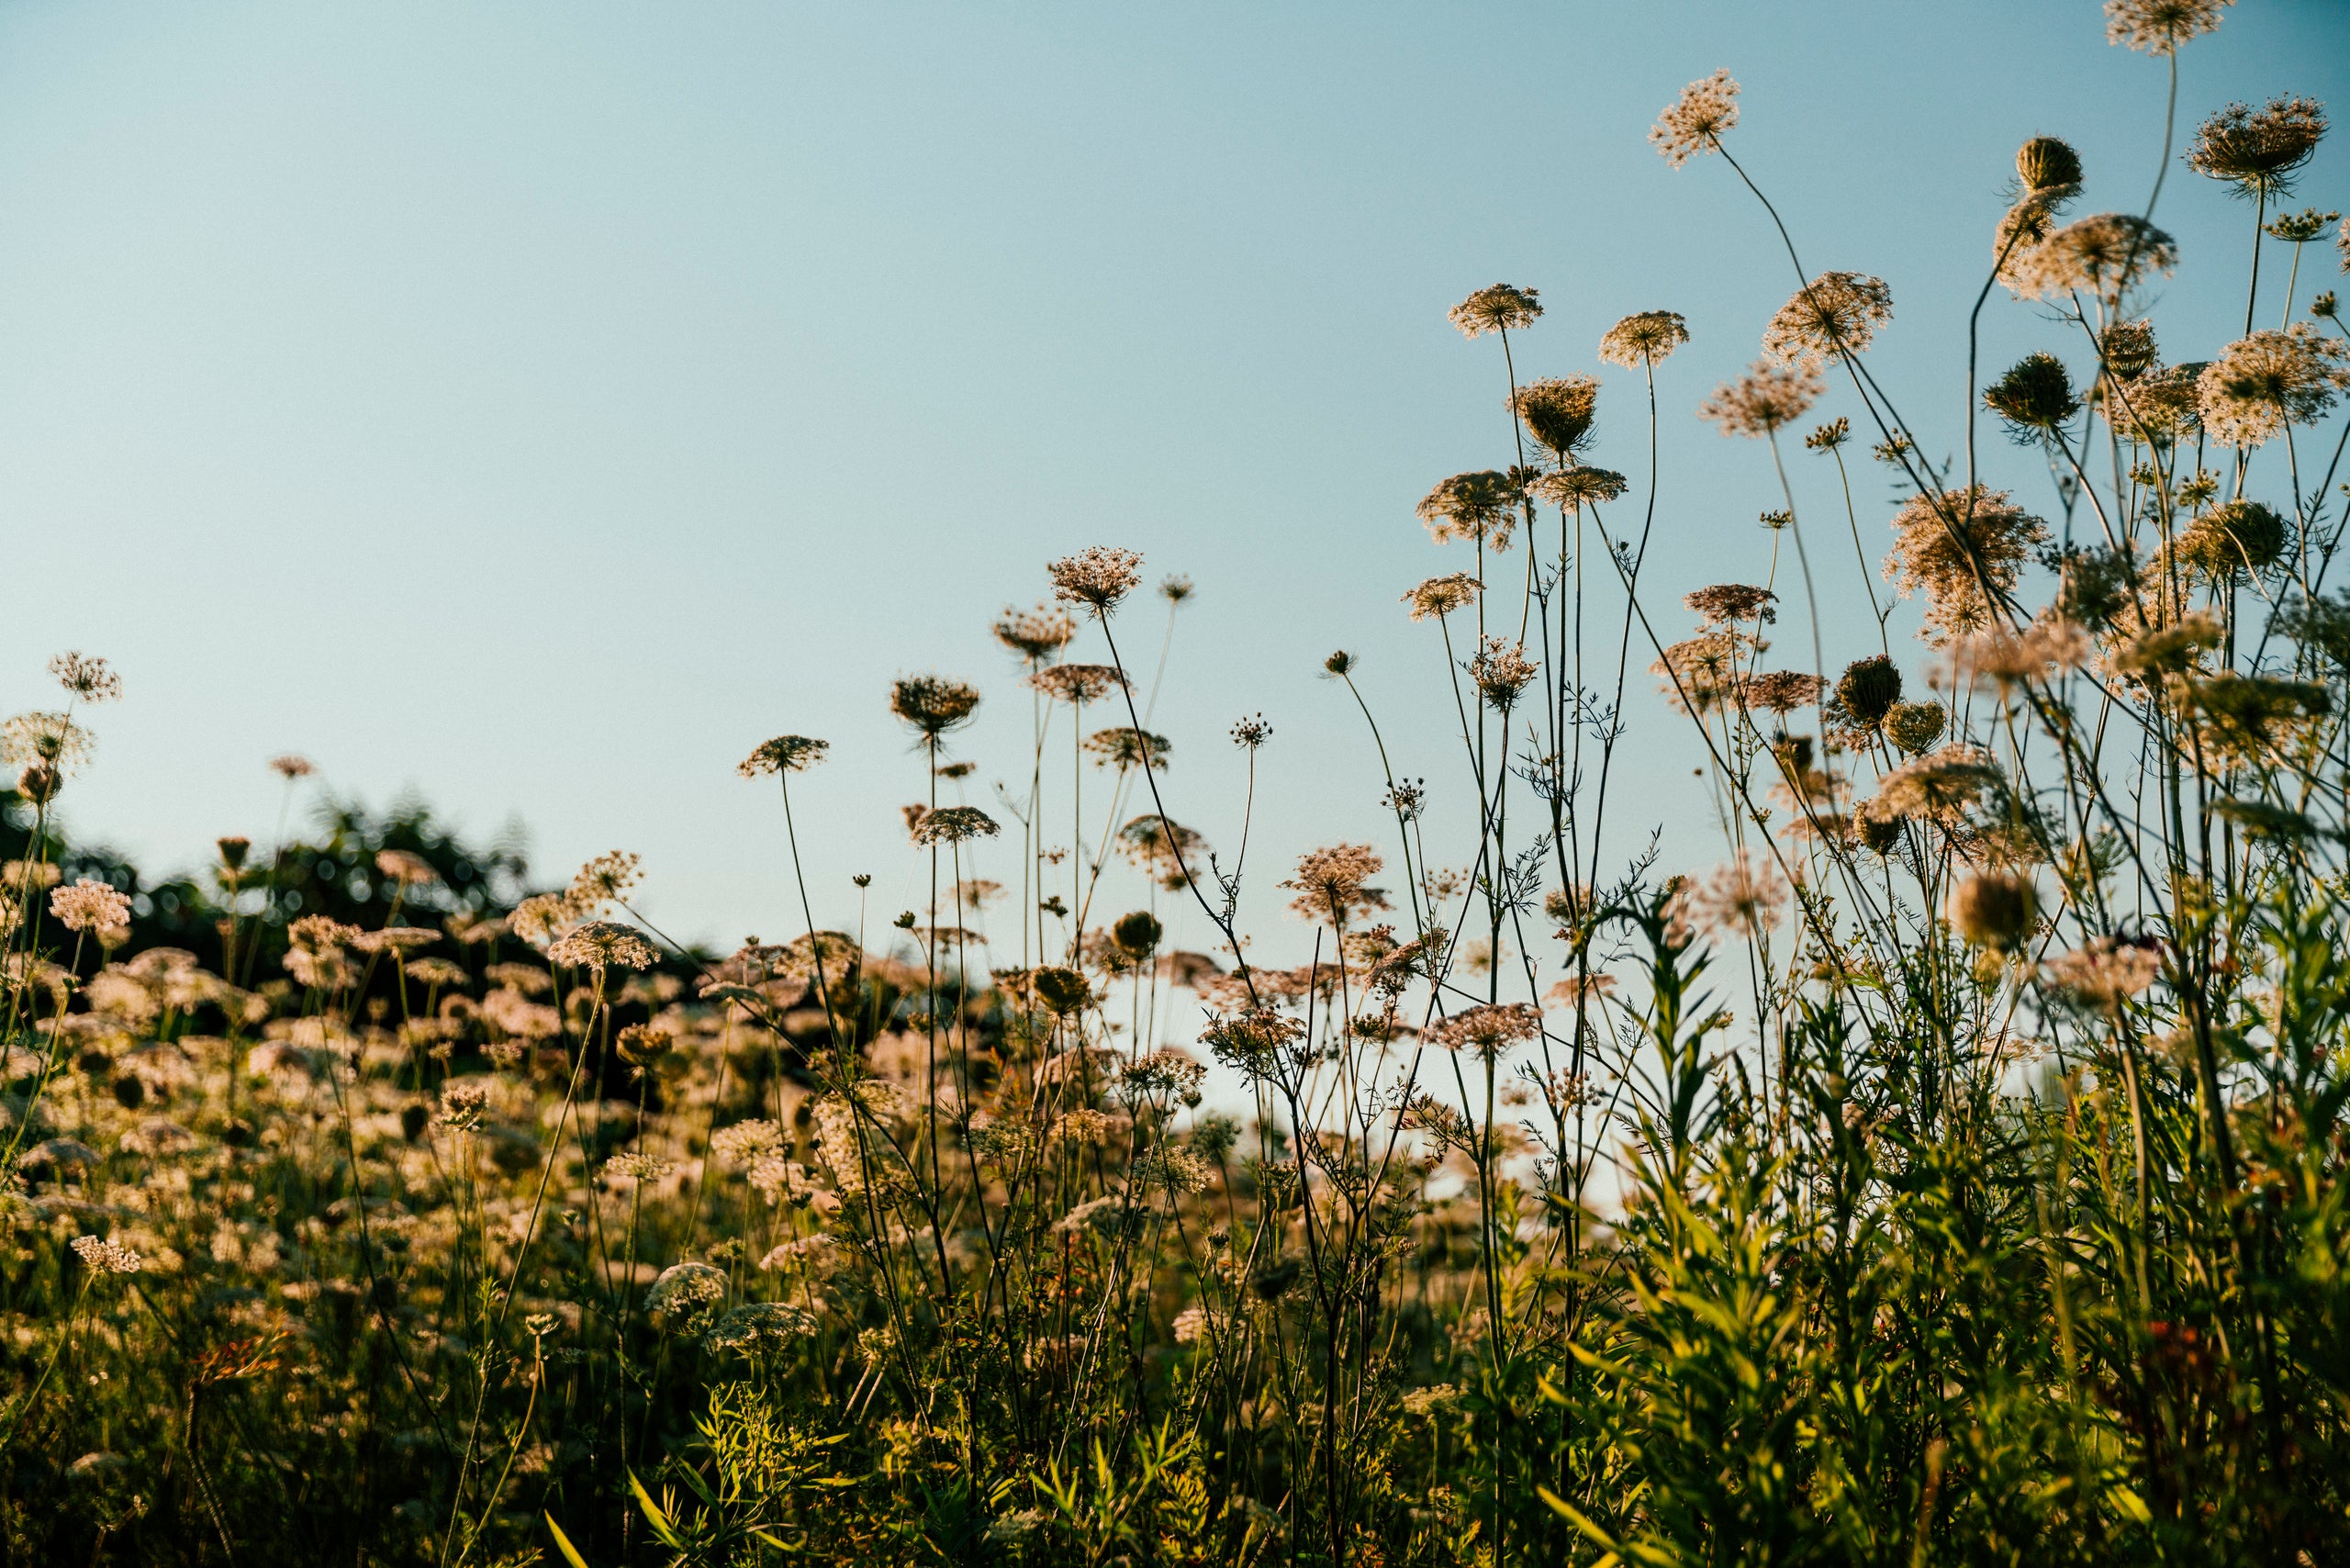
1767 398
90 906
785 754
2258 150
1694 122
603 880
2262 382
1952 546
1481 506
1701 672
954 825
603 944
1725 602
1496 309
2159 26
1644 339
1077 683
104 1257
1034 635
2104 254
1501 670
405 867
48 740
1745 896
88 678
1487 1030
1124 748
1836 313
933 705
1330 883
1439 597
1098 576
1559 411
1580 487
289 766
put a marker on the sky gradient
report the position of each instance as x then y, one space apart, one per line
534 407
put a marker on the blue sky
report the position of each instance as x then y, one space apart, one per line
538 406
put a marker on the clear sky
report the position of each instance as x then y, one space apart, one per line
536 406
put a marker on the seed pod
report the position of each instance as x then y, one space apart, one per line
1868 690
2045 162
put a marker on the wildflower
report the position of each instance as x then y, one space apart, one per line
1868 690
1406 798
2258 150
2262 382
605 879
1255 1043
51 741
632 1165
2034 397
1172 1168
683 1294
933 705
756 1324
1439 597
1330 883
1726 603
1559 411
1580 487
290 766
1954 546
2171 649
1836 313
103 1257
1124 748
1700 672
1034 635
2159 26
1763 401
1174 587
1937 788
395 939
1489 1029
600 943
90 906
2301 228
2127 348
88 678
1191 1325
465 1104
785 754
1097 575
1994 910
2104 254
1251 733
1694 122
1742 896
1644 339
2246 718
1784 691
2048 163
2242 536
540 916
1501 670
955 824
2103 973
1078 684
1496 309
1482 506
405 867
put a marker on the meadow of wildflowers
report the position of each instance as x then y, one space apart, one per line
1952 1171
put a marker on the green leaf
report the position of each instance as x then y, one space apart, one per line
563 1544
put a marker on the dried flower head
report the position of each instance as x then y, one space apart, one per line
2262 382
1831 436
1481 506
602 944
405 867
397 940
2301 228
1496 308
2104 254
1034 635
290 766
1330 883
2226 543
104 1257
2258 150
1559 411
1643 340
2127 348
1439 597
1124 748
2035 397
1954 547
1501 670
1835 313
1784 691
955 824
2159 26
1097 576
1941 788
1766 399
1488 1030
2003 659
1745 896
1726 603
90 679
1702 672
785 754
53 741
683 1295
606 879
2103 973
1994 909
90 906
1693 123
1077 683
2048 163
1570 488
1868 690
1251 733
933 705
